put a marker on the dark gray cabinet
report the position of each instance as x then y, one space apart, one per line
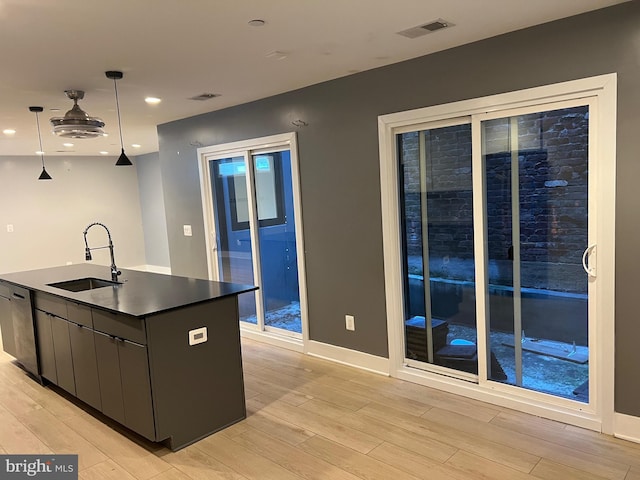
136 388
109 376
6 321
123 368
67 349
62 352
45 346
85 366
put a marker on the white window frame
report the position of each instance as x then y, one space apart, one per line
245 148
602 93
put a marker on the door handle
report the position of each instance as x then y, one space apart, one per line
591 271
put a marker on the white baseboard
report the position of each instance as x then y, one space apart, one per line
152 268
352 358
626 427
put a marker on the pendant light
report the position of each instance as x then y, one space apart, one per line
44 175
123 160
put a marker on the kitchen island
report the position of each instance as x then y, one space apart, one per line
159 354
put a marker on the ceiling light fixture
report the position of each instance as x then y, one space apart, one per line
123 160
153 100
44 175
76 123
9 131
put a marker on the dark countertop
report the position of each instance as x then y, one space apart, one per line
140 294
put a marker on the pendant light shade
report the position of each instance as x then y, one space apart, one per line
123 160
44 175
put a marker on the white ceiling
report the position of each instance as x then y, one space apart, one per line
176 49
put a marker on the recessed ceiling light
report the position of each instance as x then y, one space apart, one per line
104 153
105 134
136 145
256 23
204 96
9 131
153 100
68 144
39 152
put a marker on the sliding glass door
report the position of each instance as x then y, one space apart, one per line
536 169
532 210
250 205
437 223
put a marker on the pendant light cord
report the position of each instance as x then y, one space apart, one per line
40 141
115 86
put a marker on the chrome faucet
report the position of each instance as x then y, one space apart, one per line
87 251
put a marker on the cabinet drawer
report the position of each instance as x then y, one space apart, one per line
5 291
122 326
80 314
51 304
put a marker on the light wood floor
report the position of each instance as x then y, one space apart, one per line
312 419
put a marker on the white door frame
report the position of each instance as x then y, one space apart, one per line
242 148
602 91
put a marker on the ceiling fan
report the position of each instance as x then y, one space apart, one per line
76 123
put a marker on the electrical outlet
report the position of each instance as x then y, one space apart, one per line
187 230
10 228
350 322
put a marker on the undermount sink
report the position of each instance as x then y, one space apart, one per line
82 284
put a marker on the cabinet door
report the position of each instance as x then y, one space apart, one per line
136 388
109 376
6 324
85 367
62 349
45 346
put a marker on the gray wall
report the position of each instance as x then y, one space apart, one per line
340 173
49 217
154 221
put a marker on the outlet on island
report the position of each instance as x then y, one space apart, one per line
350 322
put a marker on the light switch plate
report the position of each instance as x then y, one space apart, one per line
187 230
10 228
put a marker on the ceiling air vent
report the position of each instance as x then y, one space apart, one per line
426 28
204 96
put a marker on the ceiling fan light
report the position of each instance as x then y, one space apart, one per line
76 123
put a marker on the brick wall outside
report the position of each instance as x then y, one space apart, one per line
553 176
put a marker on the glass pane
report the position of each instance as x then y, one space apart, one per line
437 217
277 234
536 169
235 264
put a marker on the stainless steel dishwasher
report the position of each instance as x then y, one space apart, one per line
20 318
